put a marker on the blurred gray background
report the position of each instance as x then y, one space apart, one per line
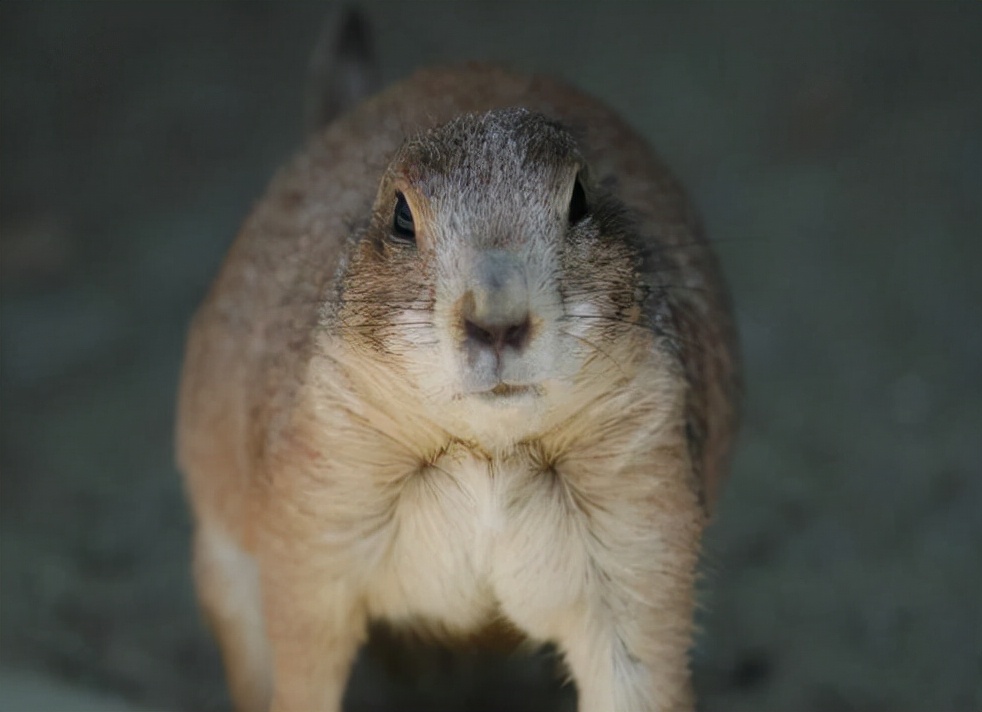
835 151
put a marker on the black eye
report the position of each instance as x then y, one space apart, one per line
577 203
402 220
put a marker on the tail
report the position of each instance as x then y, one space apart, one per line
342 69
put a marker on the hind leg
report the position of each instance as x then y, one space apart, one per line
227 581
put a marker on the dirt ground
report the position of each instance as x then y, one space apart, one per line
835 151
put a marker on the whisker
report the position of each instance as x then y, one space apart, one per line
605 318
596 349
588 293
670 334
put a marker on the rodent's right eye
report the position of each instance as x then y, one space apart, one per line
402 221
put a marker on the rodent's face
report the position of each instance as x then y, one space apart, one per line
495 284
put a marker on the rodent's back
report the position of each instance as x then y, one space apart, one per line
252 337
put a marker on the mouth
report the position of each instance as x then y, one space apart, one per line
509 392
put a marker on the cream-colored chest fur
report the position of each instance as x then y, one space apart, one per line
469 535
581 530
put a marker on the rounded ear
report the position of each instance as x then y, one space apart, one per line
342 69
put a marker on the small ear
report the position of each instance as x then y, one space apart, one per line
342 68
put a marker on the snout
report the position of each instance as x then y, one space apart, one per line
495 309
496 322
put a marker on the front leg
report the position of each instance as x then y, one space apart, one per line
627 655
315 626
315 623
313 574
323 531
612 583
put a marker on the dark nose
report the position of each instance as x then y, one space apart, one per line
513 334
494 312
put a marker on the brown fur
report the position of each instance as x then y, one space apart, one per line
296 457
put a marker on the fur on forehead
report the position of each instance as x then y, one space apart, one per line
505 146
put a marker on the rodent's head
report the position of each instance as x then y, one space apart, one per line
494 281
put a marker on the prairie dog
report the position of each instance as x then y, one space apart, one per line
469 359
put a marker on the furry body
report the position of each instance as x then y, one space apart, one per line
354 452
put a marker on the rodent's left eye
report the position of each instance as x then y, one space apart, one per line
577 203
402 221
